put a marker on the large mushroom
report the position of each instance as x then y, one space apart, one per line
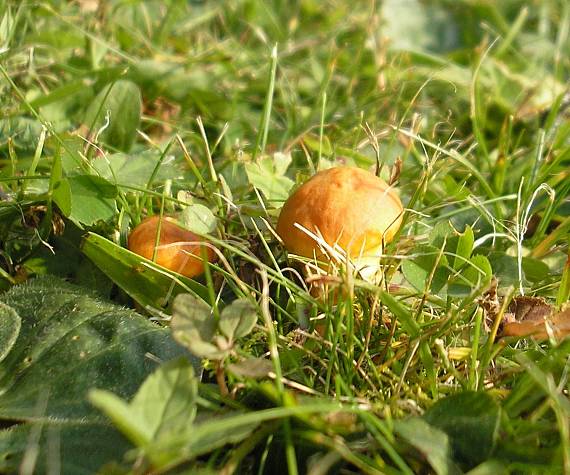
344 207
177 249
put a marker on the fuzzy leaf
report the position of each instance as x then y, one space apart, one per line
70 342
97 443
10 323
471 420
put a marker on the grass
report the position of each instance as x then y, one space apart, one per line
223 108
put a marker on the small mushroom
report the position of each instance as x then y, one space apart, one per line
345 207
178 249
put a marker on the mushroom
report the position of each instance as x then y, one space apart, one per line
178 249
343 207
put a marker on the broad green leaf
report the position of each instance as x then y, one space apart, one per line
267 174
213 432
71 147
59 187
471 420
237 319
420 266
121 102
135 169
431 442
97 444
476 274
442 232
535 270
92 199
194 326
505 268
281 162
166 402
199 348
478 271
198 218
164 406
120 413
10 323
61 195
192 314
145 281
70 342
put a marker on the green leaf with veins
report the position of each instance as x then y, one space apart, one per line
268 175
69 342
164 406
92 199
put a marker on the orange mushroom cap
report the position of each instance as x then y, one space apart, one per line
178 248
345 206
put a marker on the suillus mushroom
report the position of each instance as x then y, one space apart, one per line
343 207
177 249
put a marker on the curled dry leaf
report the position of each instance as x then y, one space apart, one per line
533 316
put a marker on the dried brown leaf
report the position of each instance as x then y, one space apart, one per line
534 317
